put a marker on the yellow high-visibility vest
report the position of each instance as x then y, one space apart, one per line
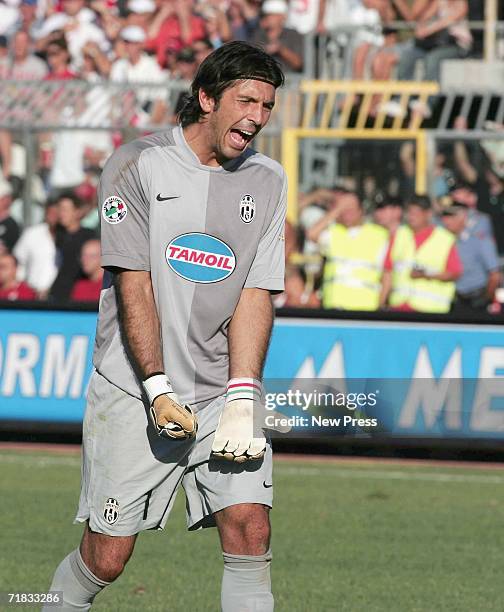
354 267
421 294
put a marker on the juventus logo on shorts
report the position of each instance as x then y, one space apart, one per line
111 510
247 208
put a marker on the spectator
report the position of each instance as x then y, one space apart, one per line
476 287
244 18
10 288
202 49
95 64
25 65
282 43
88 288
35 252
30 19
58 58
69 240
77 22
441 34
174 27
138 67
355 251
422 263
218 29
478 223
9 229
140 13
306 16
388 212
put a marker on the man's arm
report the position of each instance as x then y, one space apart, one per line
140 324
140 321
249 334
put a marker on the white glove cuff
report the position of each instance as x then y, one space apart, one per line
156 385
244 388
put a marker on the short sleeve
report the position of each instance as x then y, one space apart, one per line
268 267
124 213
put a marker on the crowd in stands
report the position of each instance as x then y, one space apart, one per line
410 255
161 41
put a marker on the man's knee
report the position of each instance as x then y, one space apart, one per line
106 556
244 529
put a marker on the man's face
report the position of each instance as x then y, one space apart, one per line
69 214
273 22
417 217
243 110
7 269
351 211
455 223
20 45
72 7
91 257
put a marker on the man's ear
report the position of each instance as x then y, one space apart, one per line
207 103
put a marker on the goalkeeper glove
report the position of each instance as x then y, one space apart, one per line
235 438
171 419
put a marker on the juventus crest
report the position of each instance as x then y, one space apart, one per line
247 208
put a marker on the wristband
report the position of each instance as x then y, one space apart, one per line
244 388
156 385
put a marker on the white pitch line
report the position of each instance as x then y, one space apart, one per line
385 475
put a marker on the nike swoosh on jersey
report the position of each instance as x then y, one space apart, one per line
267 486
159 198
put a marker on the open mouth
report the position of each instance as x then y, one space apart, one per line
240 137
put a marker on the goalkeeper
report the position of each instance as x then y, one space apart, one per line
193 246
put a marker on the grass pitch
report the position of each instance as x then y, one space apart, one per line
347 537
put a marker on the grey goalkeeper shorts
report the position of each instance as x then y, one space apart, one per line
130 475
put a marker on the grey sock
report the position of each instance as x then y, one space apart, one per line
246 583
78 583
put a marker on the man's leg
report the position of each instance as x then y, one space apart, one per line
244 531
89 569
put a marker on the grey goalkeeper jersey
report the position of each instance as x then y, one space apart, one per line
204 233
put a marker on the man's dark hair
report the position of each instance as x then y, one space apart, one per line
69 194
221 69
422 201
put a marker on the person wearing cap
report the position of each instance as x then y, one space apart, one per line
388 212
476 288
284 44
422 263
478 223
9 229
139 67
355 251
140 13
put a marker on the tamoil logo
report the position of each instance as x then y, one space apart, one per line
200 258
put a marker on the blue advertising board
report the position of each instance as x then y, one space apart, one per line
45 366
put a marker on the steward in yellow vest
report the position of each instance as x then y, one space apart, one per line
354 251
422 264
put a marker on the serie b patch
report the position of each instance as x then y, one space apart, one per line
111 510
114 210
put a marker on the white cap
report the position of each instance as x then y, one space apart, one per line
134 34
5 188
141 6
274 7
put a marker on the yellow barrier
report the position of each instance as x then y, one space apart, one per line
327 114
